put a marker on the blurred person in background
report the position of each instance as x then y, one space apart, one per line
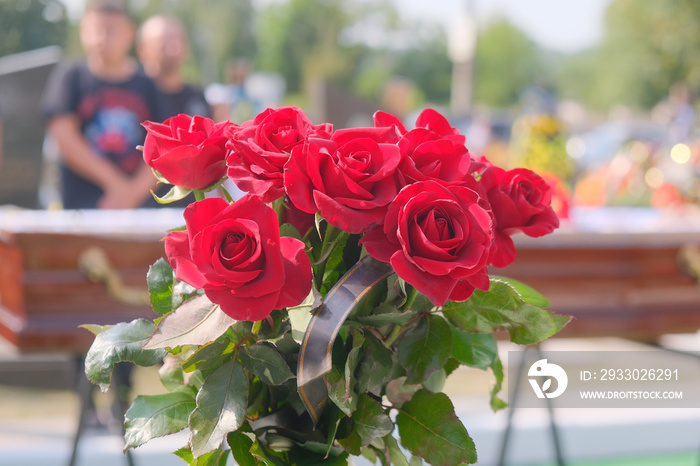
682 118
232 101
1 143
94 109
162 49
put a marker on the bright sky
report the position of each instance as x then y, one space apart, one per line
566 26
563 25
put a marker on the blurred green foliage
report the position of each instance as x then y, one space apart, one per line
647 47
362 44
507 61
30 24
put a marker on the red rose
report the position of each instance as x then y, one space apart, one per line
437 238
234 251
434 150
521 201
429 120
261 147
351 184
189 152
439 160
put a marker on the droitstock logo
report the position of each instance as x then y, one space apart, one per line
542 369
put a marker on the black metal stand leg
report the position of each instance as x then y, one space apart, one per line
84 389
553 425
692 354
121 381
550 410
511 410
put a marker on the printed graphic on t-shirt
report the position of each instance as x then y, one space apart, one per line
113 125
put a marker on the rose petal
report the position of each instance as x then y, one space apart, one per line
177 249
243 308
436 288
297 269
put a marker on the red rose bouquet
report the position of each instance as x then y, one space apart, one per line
316 317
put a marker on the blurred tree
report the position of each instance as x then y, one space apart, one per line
338 41
647 47
429 67
31 24
506 62
299 39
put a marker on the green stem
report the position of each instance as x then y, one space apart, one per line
410 299
257 325
198 194
398 329
278 206
395 333
226 194
328 237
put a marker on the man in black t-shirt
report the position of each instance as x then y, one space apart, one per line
94 111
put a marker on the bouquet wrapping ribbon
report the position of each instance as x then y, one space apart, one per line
314 362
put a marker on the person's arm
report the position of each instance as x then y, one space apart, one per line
140 187
77 155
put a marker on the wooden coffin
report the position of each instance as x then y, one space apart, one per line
622 272
619 272
48 287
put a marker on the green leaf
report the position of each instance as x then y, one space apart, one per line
375 368
159 177
240 444
210 357
528 294
171 374
474 350
335 416
264 361
369 421
95 328
371 455
153 416
429 428
300 316
221 408
183 291
286 229
267 457
218 457
425 348
436 381
502 307
197 322
378 320
480 351
160 286
214 186
123 342
396 456
341 390
303 456
399 392
175 194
